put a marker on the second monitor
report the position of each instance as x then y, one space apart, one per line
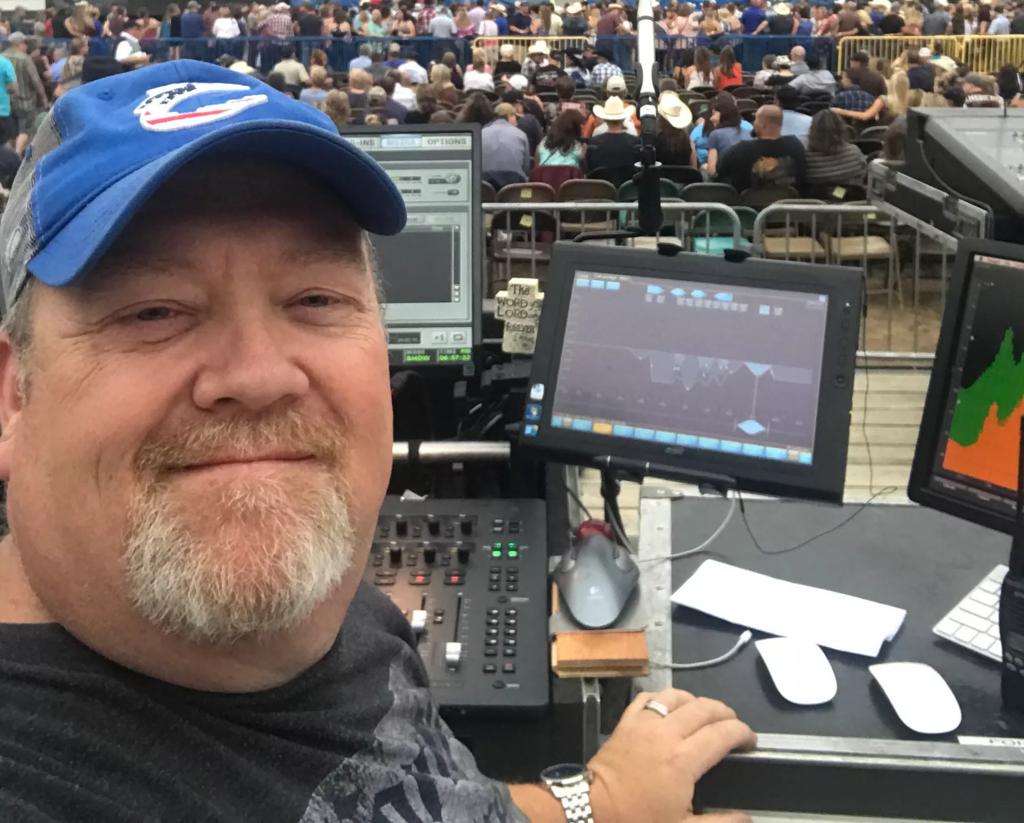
697 367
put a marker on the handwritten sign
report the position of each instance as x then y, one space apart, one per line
518 307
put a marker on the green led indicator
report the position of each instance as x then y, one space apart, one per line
513 546
513 553
496 553
498 545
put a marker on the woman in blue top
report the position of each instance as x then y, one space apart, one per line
804 24
725 129
564 144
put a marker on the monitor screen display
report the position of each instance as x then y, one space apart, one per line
973 456
692 367
431 272
678 362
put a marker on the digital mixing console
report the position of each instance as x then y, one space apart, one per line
471 578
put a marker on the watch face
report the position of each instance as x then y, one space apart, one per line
562 771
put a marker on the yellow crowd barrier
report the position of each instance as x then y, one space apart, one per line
982 52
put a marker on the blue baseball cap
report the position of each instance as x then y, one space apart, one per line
106 147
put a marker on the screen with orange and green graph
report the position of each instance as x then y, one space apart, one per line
983 427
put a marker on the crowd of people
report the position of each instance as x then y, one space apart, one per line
566 108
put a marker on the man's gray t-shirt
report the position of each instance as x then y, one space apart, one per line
354 738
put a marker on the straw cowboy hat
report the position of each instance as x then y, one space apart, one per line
540 47
613 109
574 8
616 84
673 109
782 9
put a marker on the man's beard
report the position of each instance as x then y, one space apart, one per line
300 541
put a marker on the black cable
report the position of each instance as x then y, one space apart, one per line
809 540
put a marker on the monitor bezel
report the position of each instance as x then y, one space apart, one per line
824 480
478 272
919 488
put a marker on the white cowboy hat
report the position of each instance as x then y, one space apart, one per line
782 9
574 8
519 82
613 109
540 47
616 84
673 109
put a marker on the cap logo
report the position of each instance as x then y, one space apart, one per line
157 112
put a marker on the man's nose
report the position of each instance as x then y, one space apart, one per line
249 367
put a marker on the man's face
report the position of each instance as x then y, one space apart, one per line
206 435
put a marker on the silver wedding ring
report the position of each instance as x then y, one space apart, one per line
656 707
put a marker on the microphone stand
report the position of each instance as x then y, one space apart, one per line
647 179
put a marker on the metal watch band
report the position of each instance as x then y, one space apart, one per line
575 799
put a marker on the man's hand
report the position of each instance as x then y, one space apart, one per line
648 767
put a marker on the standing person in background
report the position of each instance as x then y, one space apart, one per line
729 73
574 24
711 23
191 27
170 29
478 13
30 98
753 19
8 89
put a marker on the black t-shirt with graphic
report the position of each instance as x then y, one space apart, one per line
761 162
354 738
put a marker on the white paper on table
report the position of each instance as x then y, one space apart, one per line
757 601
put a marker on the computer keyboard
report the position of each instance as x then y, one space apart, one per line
974 622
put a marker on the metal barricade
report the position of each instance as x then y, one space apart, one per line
891 47
520 234
989 53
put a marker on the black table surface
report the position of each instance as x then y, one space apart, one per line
901 555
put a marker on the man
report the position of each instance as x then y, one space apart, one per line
403 94
574 24
196 417
8 88
394 111
1000 22
797 61
519 24
426 15
477 14
500 19
30 98
395 58
817 80
362 59
867 78
770 159
415 72
794 123
753 18
506 148
1017 23
309 23
849 21
603 68
527 122
191 22
852 97
616 148
128 51
920 71
295 74
937 22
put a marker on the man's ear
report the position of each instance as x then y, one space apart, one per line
11 402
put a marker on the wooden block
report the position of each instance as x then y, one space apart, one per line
600 654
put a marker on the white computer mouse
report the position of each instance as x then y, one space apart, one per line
920 697
799 670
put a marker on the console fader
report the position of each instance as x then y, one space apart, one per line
471 578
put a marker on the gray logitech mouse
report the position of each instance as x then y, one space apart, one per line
595 578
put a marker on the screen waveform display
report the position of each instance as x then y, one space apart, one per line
676 363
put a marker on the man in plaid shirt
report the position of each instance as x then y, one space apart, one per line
426 15
852 97
279 23
604 69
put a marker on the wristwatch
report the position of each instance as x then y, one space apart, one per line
570 784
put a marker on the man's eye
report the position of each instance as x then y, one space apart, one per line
315 301
152 313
